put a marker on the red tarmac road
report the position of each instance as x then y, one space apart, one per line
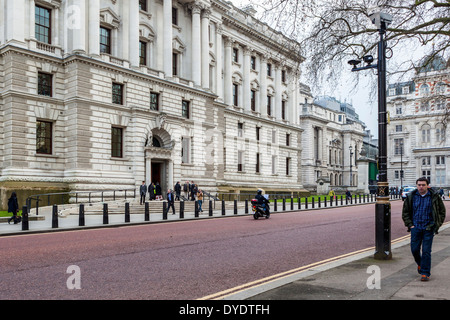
182 260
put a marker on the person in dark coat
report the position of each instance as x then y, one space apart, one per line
170 201
177 190
13 207
143 191
152 191
158 189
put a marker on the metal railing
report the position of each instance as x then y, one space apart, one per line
75 197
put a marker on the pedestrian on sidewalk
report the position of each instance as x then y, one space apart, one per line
423 214
170 201
200 200
13 207
143 191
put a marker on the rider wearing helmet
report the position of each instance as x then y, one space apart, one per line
261 199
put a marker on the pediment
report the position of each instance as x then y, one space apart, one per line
109 18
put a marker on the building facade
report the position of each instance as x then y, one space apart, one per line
332 144
105 94
418 136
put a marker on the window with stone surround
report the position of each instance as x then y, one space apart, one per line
45 84
43 24
105 40
117 93
44 137
116 142
154 101
185 109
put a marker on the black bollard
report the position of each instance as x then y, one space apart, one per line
210 209
312 202
275 205
196 209
292 203
127 212
306 202
246 206
55 216
284 204
105 214
164 210
81 216
299 203
147 212
223 207
25 225
235 206
181 209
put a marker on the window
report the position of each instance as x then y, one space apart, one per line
143 5
426 133
269 69
105 40
45 84
154 101
269 105
426 174
441 88
425 106
253 62
175 64
240 167
235 55
440 160
426 161
398 128
288 139
405 90
42 26
44 133
283 75
235 94
392 92
142 53
398 145
257 163
186 150
440 177
274 164
258 131
117 93
424 89
440 104
288 162
398 109
283 110
185 109
116 142
440 133
240 129
253 100
174 16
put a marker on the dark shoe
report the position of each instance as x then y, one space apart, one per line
418 269
424 278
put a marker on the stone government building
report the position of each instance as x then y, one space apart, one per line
103 94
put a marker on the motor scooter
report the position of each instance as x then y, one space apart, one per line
259 211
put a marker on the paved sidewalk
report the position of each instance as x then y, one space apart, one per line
348 278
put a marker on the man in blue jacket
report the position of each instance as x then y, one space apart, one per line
423 214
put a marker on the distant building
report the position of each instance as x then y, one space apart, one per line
418 133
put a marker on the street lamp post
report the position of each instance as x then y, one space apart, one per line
382 206
351 154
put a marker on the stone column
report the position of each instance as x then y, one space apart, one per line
133 38
263 90
167 36
205 48
78 34
196 45
15 21
219 63
246 81
228 83
278 93
94 28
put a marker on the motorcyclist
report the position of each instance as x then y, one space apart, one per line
262 200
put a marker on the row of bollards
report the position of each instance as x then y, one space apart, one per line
326 201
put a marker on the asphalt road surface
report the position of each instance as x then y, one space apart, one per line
181 260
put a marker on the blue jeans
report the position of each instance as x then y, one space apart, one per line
422 238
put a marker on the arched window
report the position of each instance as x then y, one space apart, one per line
426 134
424 89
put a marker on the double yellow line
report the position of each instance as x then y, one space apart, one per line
279 276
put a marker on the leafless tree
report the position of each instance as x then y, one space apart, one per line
331 32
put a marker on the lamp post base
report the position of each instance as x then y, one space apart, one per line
383 229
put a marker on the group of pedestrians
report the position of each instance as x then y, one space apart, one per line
191 192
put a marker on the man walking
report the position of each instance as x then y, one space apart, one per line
170 201
143 191
423 214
